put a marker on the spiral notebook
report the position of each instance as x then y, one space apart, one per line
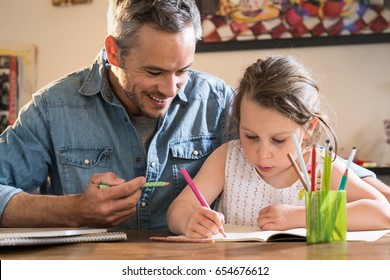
42 236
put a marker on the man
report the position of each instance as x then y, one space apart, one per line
137 114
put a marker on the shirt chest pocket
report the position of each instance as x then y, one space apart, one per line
194 148
190 154
86 157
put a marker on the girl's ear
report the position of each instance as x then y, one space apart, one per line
112 52
311 126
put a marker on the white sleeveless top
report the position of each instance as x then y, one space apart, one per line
245 192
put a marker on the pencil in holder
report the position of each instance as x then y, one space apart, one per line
326 216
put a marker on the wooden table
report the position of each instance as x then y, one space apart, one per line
139 247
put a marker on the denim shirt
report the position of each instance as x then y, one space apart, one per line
76 127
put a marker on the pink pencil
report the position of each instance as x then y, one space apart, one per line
197 193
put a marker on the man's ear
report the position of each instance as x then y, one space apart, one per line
311 126
112 52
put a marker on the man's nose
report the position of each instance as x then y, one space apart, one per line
170 85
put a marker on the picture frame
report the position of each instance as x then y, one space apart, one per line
69 2
268 24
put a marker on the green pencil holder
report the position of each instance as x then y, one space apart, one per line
326 216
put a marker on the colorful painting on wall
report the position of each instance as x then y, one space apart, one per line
248 24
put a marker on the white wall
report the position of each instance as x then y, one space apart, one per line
355 79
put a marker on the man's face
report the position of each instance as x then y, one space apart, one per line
154 71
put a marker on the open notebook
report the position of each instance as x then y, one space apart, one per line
236 233
41 236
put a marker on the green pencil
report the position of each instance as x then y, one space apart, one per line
147 185
155 184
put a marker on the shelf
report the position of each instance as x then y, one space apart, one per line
385 170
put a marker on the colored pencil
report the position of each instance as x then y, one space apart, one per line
103 186
319 177
313 168
295 166
345 175
325 167
155 184
197 193
147 185
343 181
327 175
300 160
329 168
350 159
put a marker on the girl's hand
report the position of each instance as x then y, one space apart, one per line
204 223
281 217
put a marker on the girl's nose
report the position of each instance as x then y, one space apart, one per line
263 151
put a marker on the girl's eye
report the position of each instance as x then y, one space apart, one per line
251 136
279 141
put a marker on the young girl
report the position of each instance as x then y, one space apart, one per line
252 177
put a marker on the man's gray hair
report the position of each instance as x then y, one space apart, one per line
126 17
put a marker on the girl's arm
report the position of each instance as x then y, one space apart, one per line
367 208
186 215
379 185
368 177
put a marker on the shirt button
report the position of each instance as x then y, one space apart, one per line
143 204
195 153
86 161
153 164
137 159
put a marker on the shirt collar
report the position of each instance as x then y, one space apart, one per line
97 80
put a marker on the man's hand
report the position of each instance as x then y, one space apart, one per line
110 206
95 207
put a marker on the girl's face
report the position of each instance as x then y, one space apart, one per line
266 140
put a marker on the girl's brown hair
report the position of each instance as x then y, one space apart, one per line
283 84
